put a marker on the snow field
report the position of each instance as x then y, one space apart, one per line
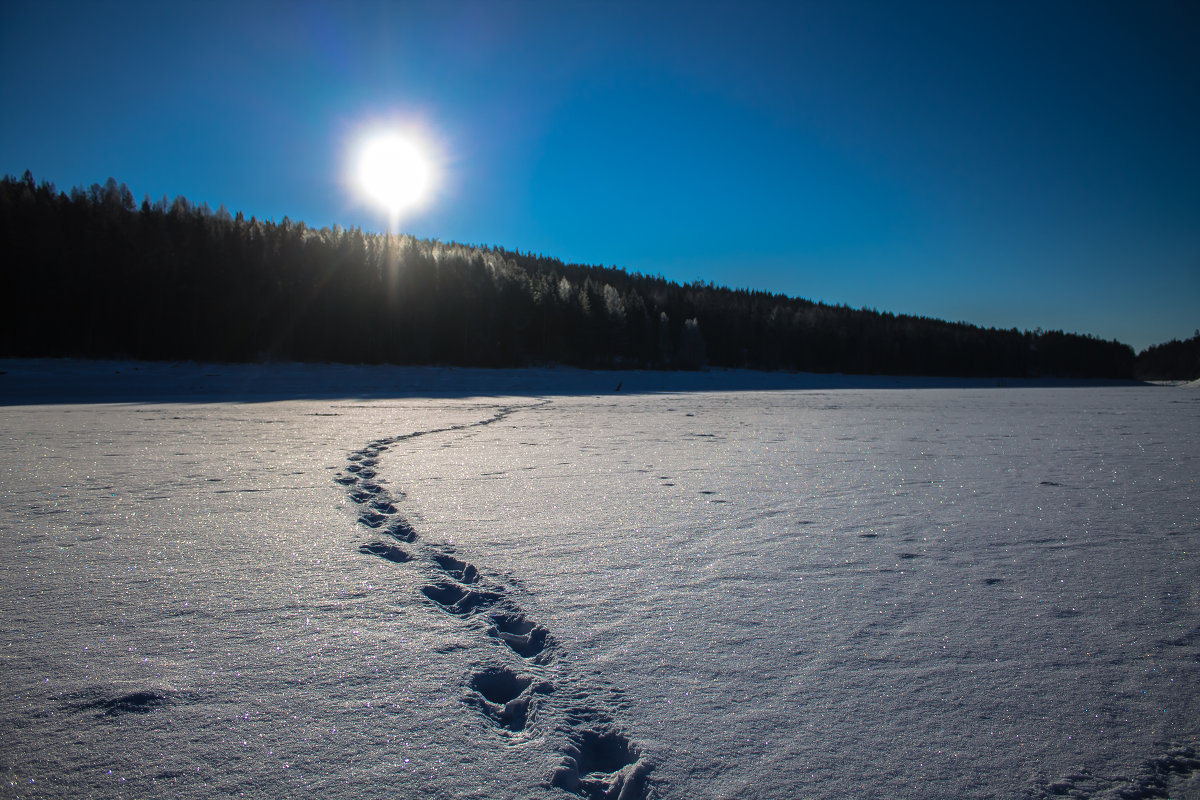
825 593
931 593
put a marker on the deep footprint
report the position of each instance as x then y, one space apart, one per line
523 636
501 695
371 519
455 599
602 764
400 530
384 550
461 571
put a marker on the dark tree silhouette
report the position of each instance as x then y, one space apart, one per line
90 273
1171 361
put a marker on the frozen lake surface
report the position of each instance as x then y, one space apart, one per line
467 584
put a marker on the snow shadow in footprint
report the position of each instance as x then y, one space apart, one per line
111 704
522 635
384 550
458 600
504 696
601 764
461 571
400 530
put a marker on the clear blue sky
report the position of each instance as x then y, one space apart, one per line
1010 164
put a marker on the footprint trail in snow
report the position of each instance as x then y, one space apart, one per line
599 761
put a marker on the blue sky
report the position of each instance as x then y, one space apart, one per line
1010 164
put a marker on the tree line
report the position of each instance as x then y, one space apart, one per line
91 273
1171 361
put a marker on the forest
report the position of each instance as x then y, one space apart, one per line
91 273
1171 361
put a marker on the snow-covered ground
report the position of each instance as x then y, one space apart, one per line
456 583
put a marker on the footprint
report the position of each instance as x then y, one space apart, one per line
601 764
503 696
522 635
457 600
400 530
359 496
384 550
461 571
132 703
344 480
371 519
383 507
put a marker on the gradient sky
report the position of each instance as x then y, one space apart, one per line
1010 164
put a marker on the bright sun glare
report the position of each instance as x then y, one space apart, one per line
394 172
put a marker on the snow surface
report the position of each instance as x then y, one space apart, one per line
524 584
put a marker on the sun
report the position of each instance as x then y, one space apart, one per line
395 172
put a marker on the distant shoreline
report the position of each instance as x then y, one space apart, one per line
44 381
